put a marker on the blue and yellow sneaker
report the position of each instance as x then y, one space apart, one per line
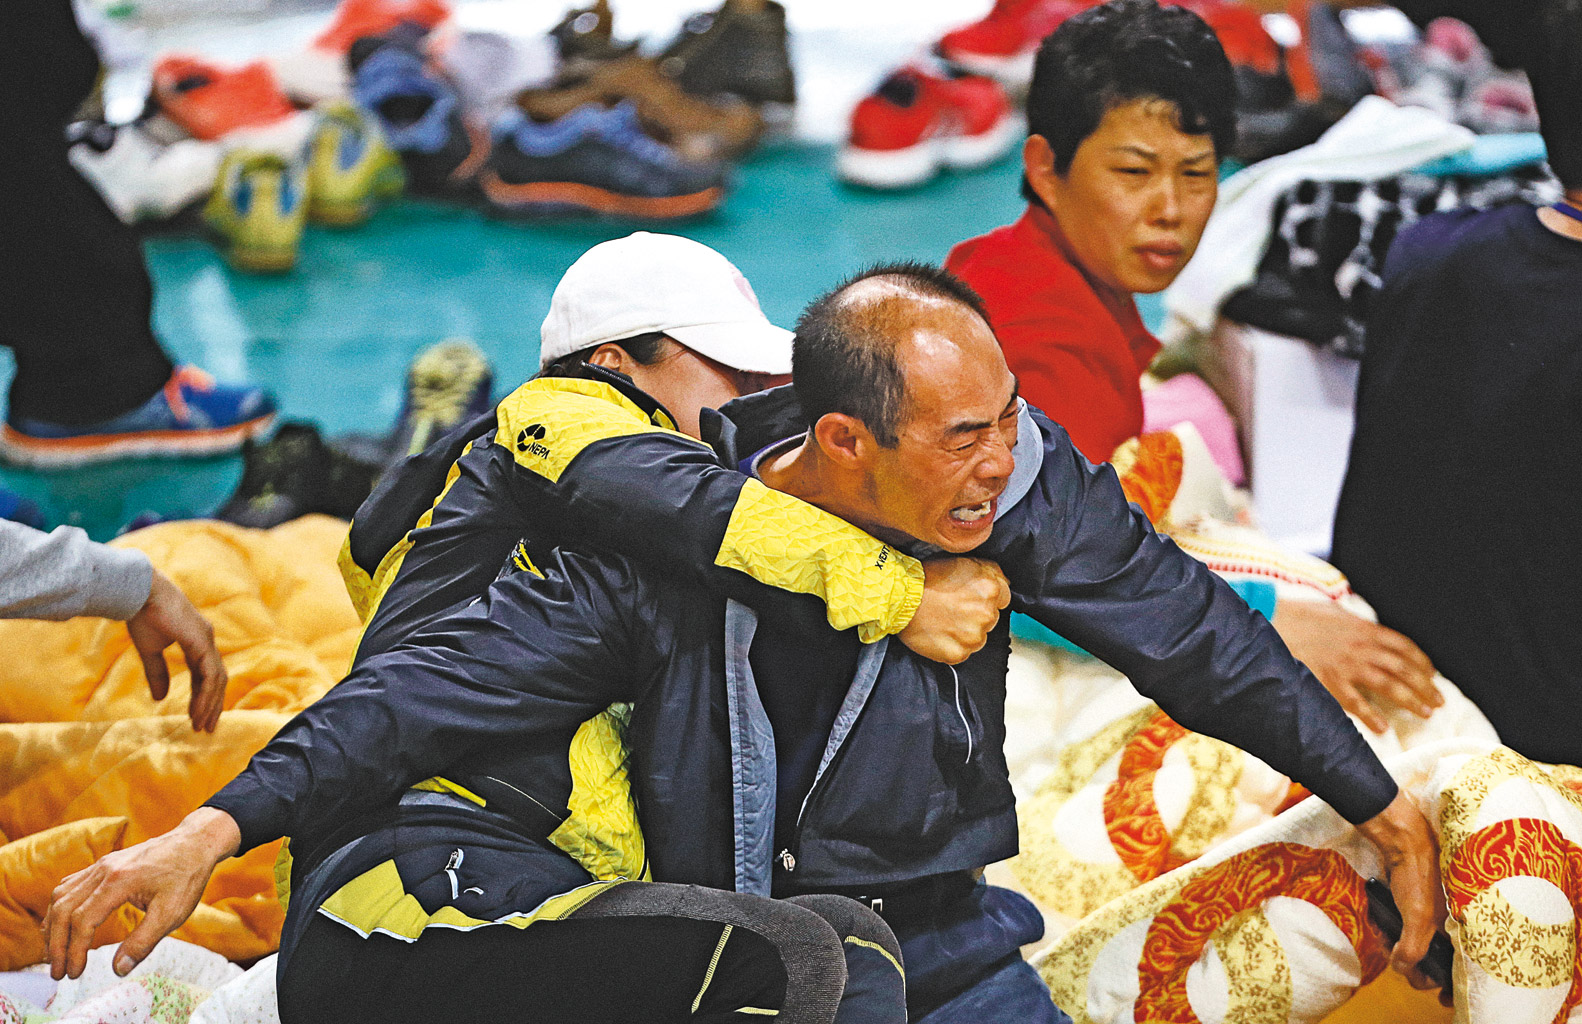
191 415
258 208
350 167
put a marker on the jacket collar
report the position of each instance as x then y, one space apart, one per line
631 392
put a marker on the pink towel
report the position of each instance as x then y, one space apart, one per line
1187 398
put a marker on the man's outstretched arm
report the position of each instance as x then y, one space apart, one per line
1084 563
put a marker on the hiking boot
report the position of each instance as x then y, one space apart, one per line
191 415
736 51
920 120
258 208
350 167
697 129
282 478
209 101
419 113
585 37
293 474
594 160
449 383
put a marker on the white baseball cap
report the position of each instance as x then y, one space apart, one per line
647 282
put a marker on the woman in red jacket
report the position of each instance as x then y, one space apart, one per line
1130 109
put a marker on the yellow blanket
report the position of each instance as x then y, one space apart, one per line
91 763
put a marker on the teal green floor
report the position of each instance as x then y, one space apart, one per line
333 338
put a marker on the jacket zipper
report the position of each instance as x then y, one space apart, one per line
786 857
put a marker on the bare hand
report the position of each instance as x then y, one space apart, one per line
166 618
163 876
1359 662
962 598
1411 856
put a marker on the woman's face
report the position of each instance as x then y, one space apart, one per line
1135 200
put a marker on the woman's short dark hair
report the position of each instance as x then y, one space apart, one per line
647 349
1128 50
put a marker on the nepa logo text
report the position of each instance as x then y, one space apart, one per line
528 440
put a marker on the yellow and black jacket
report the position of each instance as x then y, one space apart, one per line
593 462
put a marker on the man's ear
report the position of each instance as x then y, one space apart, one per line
845 440
610 357
1038 166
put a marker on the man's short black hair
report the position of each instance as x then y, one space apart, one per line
843 358
1128 50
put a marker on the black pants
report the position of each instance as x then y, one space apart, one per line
75 297
640 952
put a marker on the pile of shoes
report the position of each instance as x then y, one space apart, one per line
605 131
622 134
393 94
229 144
956 108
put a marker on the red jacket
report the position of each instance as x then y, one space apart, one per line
1078 347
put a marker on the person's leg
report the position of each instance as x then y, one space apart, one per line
75 308
875 976
964 961
641 951
1013 994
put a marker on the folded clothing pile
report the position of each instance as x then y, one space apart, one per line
1329 239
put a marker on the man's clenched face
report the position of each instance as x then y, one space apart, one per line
942 481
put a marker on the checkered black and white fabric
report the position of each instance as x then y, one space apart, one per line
1328 240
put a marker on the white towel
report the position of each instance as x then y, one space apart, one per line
1376 139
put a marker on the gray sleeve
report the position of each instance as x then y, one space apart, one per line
63 574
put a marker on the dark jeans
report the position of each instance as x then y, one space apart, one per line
964 963
640 952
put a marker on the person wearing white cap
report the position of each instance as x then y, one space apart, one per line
673 315
643 332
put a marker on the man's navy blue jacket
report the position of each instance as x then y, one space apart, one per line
583 688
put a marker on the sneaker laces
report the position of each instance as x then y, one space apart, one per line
185 377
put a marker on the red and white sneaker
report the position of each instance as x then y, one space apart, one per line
1004 43
919 120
